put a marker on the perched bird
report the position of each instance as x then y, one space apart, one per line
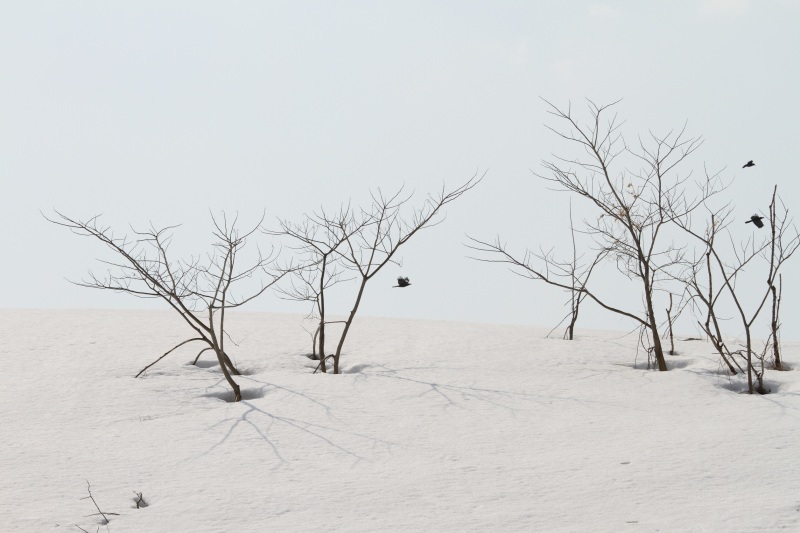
402 282
755 219
749 164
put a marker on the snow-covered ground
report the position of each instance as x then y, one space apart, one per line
435 426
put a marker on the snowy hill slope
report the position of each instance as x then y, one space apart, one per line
435 426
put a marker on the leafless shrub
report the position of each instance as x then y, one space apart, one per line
577 274
317 240
775 324
200 289
139 500
773 251
702 291
372 238
105 520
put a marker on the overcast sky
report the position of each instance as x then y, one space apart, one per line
161 111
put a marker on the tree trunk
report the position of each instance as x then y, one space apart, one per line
651 315
671 341
314 345
776 352
669 323
749 361
237 393
575 309
347 326
223 361
657 349
322 365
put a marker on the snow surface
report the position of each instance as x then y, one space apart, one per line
435 426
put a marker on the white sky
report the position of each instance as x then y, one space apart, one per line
163 110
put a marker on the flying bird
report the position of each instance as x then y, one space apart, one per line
402 282
755 219
749 164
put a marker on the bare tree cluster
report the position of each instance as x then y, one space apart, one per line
637 193
641 211
356 243
644 208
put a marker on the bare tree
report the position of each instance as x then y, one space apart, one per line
636 206
674 312
200 289
778 247
702 291
578 276
779 251
380 231
320 236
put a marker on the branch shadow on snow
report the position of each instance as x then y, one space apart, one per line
317 431
452 393
226 394
252 413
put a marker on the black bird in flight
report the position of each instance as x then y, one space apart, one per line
749 164
755 219
402 282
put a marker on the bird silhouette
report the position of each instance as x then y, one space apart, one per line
749 164
402 282
755 219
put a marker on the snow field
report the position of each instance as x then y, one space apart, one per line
434 426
